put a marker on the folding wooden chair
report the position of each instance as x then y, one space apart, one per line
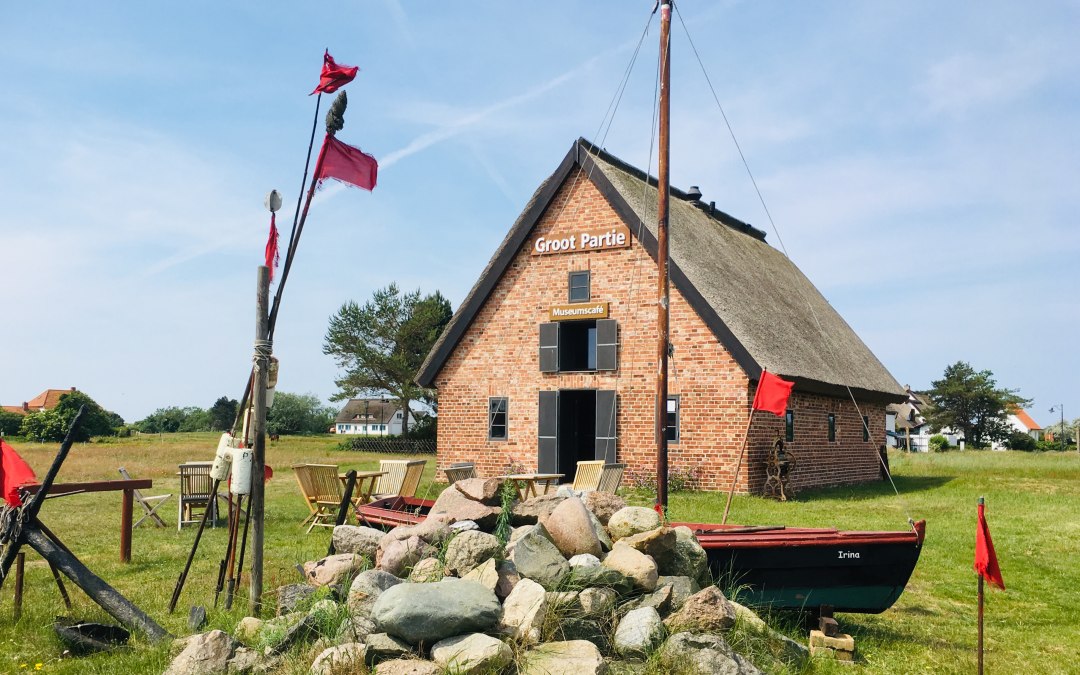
307 490
195 487
149 504
401 479
325 493
460 471
587 476
611 477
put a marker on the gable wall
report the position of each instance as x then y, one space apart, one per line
498 356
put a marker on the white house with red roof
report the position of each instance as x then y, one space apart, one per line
1022 422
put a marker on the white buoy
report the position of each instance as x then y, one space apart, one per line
223 458
241 471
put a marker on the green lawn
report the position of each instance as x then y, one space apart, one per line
1033 512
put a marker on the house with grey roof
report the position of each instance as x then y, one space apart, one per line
372 417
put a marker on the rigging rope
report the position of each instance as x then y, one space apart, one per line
780 240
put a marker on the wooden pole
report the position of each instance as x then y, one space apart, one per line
20 562
738 464
663 295
343 507
126 505
263 348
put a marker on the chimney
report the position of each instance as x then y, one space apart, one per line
694 194
73 389
25 406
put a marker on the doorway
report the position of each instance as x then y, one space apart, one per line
577 429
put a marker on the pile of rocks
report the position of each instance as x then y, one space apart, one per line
584 585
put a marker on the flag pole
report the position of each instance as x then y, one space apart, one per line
981 502
738 465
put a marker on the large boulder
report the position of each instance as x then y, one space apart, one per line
457 506
427 613
703 654
357 539
524 611
706 611
484 490
656 543
535 510
366 589
472 654
686 559
348 657
640 568
398 556
603 504
203 654
468 549
631 520
572 530
639 633
572 657
536 557
332 569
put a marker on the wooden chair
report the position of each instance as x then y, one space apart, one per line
460 471
587 476
149 504
611 477
325 493
401 479
195 487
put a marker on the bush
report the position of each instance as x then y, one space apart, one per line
938 443
679 479
1053 446
1018 440
10 423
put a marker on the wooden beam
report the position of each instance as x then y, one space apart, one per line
94 486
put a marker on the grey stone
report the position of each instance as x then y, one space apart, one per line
472 654
355 628
597 602
399 555
571 529
366 588
600 577
204 654
247 629
244 661
601 532
681 589
408 667
584 560
508 578
640 568
524 612
660 600
468 549
296 633
343 658
357 539
535 510
656 543
333 569
291 596
571 657
384 647
603 505
536 557
196 618
639 633
427 571
703 654
464 525
577 628
483 490
631 520
428 613
706 611
687 559
459 507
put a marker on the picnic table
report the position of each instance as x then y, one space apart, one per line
527 482
362 494
128 487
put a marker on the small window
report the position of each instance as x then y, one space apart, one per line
673 419
497 418
577 346
865 428
832 427
580 286
789 425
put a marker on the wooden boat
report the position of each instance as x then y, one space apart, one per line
785 568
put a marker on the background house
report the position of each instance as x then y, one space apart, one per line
46 400
372 417
911 428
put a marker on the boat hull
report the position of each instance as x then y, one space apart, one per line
778 567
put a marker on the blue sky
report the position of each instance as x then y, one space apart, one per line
921 161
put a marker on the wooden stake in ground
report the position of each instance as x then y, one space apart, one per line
263 349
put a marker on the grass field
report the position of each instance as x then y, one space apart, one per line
1033 510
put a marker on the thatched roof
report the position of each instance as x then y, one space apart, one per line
755 300
368 411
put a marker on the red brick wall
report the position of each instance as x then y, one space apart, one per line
498 356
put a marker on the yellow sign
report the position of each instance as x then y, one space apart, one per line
579 310
590 240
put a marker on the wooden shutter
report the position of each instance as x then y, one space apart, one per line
606 413
547 438
549 347
607 344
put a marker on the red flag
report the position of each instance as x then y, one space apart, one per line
347 164
14 471
772 394
333 76
986 563
272 256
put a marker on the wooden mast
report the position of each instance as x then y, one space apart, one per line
664 183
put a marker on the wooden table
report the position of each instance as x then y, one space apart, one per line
126 486
362 495
527 482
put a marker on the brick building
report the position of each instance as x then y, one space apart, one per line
551 358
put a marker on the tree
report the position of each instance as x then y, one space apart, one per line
10 423
52 425
382 344
298 414
223 413
173 419
971 402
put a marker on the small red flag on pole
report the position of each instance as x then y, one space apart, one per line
986 563
333 76
272 256
14 472
772 394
